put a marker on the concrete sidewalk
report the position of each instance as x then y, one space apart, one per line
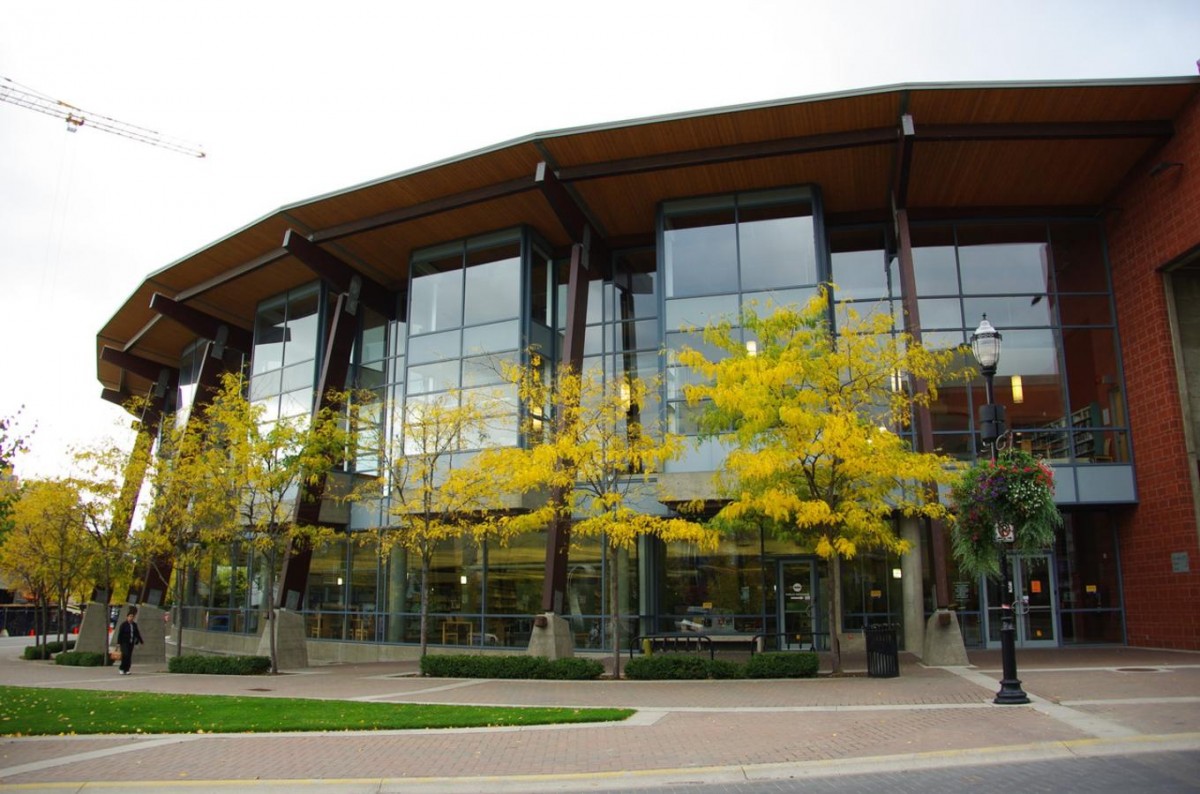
1095 700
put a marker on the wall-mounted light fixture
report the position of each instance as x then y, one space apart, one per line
1018 389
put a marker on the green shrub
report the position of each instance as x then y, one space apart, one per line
46 651
721 668
575 669
781 664
667 666
81 659
219 665
473 666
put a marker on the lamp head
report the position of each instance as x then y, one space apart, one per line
985 345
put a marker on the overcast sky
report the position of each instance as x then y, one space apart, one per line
294 99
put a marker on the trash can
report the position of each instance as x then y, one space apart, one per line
883 652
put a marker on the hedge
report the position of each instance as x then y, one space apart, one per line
81 659
219 665
469 666
33 652
780 664
680 666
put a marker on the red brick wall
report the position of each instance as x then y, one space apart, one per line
1158 220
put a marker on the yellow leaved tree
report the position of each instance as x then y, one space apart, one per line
810 419
107 501
47 548
175 530
248 476
594 458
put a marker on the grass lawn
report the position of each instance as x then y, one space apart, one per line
26 711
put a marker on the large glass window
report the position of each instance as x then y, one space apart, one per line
700 252
722 255
1045 288
727 589
283 363
743 243
464 321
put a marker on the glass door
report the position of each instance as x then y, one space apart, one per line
1034 604
1036 618
799 617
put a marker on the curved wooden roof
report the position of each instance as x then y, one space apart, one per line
941 149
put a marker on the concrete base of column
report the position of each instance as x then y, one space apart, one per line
912 587
93 631
153 629
552 640
943 641
291 644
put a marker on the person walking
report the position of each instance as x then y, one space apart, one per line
128 636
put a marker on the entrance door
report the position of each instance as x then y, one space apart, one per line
798 614
1035 604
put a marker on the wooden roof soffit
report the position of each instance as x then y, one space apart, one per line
164 377
339 275
874 136
424 209
244 269
203 325
1047 131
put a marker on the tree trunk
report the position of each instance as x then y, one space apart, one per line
835 612
62 619
180 582
614 610
271 610
425 566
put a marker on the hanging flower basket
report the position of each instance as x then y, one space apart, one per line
1012 497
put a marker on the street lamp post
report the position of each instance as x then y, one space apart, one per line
985 344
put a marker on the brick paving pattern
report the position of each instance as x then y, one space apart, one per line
682 726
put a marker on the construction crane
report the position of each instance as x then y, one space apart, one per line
23 96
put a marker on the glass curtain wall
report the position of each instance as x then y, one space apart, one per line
622 343
724 254
720 256
1045 288
464 324
287 330
221 594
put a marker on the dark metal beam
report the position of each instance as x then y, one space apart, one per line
444 204
903 162
340 275
335 375
116 396
558 540
912 325
151 370
571 215
208 382
203 324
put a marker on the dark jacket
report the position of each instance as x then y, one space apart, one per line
128 634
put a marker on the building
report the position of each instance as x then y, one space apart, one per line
1069 213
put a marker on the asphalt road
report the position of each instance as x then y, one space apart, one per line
1153 773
